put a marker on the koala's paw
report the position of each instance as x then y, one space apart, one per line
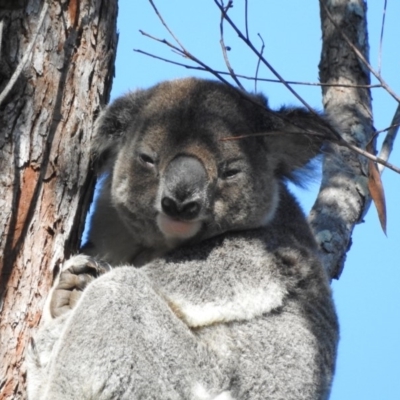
75 275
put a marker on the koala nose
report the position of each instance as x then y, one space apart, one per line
185 210
184 188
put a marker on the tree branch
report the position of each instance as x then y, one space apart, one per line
339 138
259 62
387 145
381 37
185 53
1 35
251 78
224 48
264 61
360 55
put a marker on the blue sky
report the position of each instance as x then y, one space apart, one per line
368 293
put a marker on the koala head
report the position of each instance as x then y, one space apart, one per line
174 176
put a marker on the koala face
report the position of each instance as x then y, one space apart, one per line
189 182
173 175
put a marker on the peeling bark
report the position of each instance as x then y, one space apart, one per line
45 132
343 199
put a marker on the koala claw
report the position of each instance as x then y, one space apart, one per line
75 275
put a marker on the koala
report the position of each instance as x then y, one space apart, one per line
217 290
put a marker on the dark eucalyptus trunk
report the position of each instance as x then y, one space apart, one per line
46 181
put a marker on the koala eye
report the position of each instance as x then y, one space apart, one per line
230 173
146 159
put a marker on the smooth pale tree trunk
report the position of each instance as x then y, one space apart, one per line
343 199
46 121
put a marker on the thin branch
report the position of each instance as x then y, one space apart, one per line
360 55
387 145
271 133
339 141
381 37
24 59
224 48
186 54
385 130
338 137
252 78
1 35
267 64
258 62
165 25
182 51
246 18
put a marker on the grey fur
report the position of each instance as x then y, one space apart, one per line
238 308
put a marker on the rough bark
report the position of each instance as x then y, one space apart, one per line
343 198
45 132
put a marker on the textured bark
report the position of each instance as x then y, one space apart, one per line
343 199
45 132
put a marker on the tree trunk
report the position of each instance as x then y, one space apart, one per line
343 198
46 122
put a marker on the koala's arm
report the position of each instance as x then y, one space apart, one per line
262 300
122 341
286 354
74 276
270 313
255 332
247 314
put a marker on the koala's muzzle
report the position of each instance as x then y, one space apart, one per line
183 197
184 188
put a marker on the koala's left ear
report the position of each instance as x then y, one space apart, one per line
289 145
113 123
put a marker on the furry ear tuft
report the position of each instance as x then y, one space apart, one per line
113 123
297 139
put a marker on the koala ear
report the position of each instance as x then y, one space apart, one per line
290 146
113 123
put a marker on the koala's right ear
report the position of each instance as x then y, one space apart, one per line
290 146
113 123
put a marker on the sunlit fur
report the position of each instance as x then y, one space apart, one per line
230 300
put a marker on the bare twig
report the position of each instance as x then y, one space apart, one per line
369 156
259 62
381 38
385 130
186 54
1 35
183 52
246 18
360 55
252 78
24 59
165 25
271 133
266 63
339 141
338 137
224 48
387 145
